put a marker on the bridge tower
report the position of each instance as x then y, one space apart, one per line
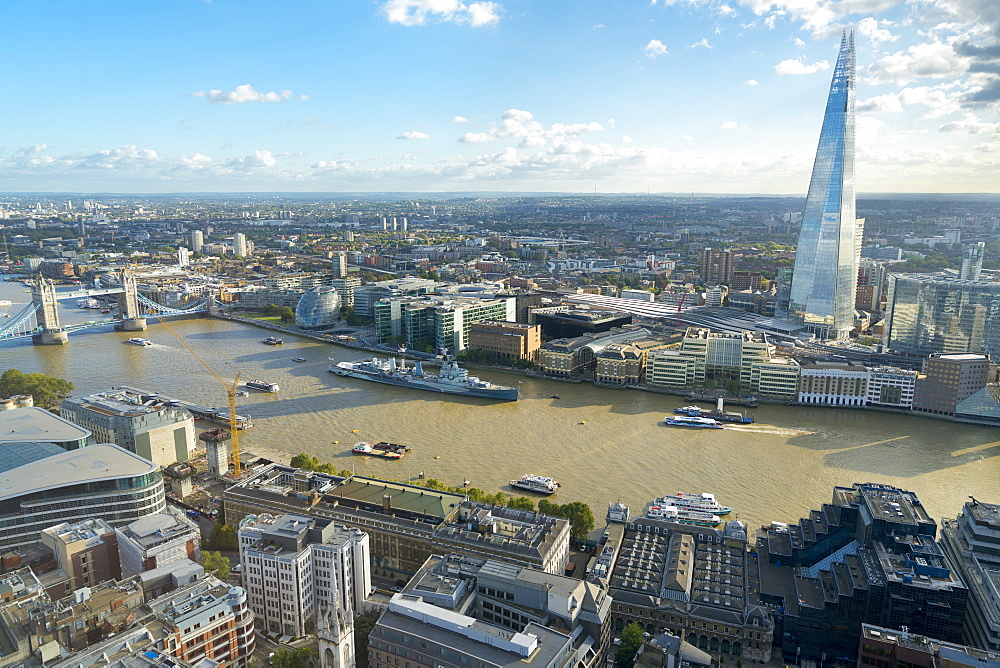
50 332
128 304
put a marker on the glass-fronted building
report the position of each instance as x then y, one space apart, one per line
318 308
935 313
826 260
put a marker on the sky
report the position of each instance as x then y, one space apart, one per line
608 96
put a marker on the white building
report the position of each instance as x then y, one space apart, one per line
241 247
197 240
295 565
833 385
156 540
891 387
183 256
643 295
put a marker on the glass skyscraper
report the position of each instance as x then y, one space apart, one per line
826 260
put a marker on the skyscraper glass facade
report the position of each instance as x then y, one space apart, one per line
825 276
934 313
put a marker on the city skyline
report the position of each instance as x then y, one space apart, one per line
826 259
507 95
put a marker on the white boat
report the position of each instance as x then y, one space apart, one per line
536 483
704 502
4 303
617 512
263 386
362 448
135 341
675 514
687 421
88 302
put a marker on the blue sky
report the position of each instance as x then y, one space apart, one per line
527 95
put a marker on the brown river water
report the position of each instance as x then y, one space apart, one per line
601 444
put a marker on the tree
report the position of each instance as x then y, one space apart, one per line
223 537
46 390
287 314
631 637
215 564
300 657
581 520
363 625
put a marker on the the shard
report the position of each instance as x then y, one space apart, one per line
826 260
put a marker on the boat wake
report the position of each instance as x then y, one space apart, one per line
777 431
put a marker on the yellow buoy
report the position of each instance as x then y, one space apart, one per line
336 442
437 456
354 431
583 422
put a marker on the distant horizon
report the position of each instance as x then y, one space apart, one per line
416 96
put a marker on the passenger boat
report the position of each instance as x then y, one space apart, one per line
696 422
675 514
384 450
273 341
690 411
536 483
263 386
451 379
704 502
298 359
135 341
4 303
721 416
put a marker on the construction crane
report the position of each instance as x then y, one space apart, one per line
234 431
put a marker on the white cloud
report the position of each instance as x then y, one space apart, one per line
752 82
881 104
725 10
729 125
243 93
655 48
869 27
703 42
687 138
626 139
420 12
798 42
935 60
795 66
517 123
598 26
971 125
459 119
414 134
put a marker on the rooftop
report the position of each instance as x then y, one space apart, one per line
37 424
401 496
92 464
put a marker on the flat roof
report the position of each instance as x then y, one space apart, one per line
92 464
37 424
402 497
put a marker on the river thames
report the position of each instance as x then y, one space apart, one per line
602 444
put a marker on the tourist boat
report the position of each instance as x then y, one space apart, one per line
675 514
721 416
4 303
298 359
704 502
273 341
88 302
451 379
688 421
263 386
135 341
691 411
535 483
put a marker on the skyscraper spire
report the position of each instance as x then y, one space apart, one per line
826 264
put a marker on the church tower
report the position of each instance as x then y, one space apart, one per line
335 631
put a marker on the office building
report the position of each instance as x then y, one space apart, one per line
575 356
826 259
708 359
405 523
156 540
509 340
642 295
947 380
183 256
972 261
439 322
318 308
48 485
882 647
365 296
867 557
761 302
339 261
692 582
668 651
37 425
933 313
86 550
971 542
197 240
345 288
833 384
716 266
205 620
459 611
161 434
294 565
562 323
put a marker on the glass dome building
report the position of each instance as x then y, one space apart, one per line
318 308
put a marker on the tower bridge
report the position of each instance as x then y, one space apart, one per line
39 320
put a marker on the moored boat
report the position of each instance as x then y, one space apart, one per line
451 379
675 514
536 483
704 502
273 341
691 421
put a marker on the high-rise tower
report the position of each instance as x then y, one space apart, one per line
826 260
